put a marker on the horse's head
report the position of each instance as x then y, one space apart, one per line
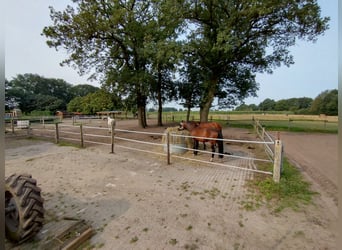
186 125
181 125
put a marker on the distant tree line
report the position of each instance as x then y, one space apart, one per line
325 103
32 93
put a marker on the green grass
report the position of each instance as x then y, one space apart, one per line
278 121
302 126
292 126
291 192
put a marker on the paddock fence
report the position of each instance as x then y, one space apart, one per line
159 143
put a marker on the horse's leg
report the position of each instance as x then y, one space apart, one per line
213 151
204 147
195 147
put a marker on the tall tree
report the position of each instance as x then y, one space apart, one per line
189 85
233 40
163 52
112 38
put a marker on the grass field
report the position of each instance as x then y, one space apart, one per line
279 121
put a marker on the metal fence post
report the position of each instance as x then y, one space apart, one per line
278 160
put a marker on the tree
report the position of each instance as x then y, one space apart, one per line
230 40
189 86
245 107
83 89
112 38
293 104
101 100
75 105
282 105
267 105
326 103
11 96
233 40
163 53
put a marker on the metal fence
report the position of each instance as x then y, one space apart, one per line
114 137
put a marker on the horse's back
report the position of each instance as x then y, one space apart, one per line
214 125
204 132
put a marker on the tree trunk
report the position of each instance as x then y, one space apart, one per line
206 103
188 114
160 104
141 103
141 116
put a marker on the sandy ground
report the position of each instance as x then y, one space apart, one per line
137 201
316 155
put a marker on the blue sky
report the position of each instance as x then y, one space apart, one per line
314 71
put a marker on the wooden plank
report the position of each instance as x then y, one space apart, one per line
75 243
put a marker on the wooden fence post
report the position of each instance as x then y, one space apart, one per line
57 134
168 147
82 140
12 125
278 160
28 129
112 137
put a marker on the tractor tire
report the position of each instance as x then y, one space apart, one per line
24 214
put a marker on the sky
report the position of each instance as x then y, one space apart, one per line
314 71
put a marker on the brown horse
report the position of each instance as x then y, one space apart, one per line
209 135
211 125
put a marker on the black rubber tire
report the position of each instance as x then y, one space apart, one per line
24 215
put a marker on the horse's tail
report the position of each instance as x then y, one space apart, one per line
220 143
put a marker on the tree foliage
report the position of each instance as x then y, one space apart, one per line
100 100
267 105
326 103
189 86
33 92
132 45
235 39
122 41
83 89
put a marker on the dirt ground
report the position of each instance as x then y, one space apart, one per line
136 201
